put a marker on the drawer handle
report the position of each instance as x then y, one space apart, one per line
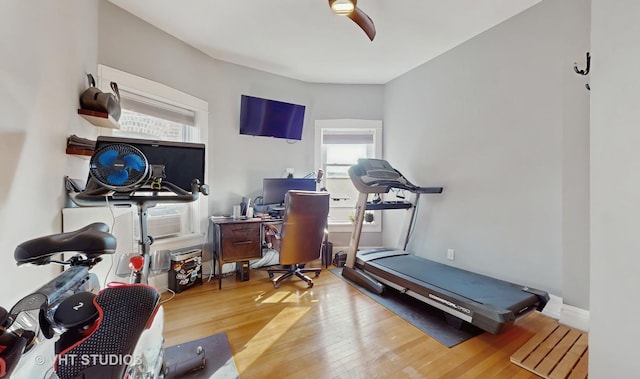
242 242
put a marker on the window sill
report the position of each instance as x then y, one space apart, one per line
178 242
347 227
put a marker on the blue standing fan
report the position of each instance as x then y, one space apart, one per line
119 167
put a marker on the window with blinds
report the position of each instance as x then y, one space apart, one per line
342 149
339 145
147 118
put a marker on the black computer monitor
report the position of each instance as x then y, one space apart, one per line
274 189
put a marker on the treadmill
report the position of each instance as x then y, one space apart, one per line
464 296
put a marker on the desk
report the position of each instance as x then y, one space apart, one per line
236 240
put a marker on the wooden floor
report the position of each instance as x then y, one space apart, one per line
331 331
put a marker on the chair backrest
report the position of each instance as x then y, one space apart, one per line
305 221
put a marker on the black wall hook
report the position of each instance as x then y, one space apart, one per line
586 70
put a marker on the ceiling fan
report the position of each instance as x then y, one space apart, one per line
348 8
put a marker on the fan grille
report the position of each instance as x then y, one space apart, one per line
119 167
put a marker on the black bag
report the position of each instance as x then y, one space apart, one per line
95 100
340 259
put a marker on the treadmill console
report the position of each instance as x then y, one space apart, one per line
377 176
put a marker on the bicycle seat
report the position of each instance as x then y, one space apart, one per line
92 241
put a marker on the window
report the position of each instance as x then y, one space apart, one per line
144 117
339 145
141 125
341 148
151 110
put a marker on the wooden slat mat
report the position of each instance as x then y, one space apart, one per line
554 352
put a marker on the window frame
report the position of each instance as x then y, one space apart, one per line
373 127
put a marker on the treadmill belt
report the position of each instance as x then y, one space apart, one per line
479 288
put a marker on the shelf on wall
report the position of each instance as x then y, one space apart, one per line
101 119
82 152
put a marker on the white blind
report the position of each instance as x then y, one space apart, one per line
347 137
142 104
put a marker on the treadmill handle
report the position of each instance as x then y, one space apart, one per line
429 190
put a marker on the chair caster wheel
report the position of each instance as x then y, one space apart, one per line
271 275
317 274
310 284
276 285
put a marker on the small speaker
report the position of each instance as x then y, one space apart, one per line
242 271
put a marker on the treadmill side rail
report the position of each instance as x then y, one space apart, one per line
543 296
422 279
371 254
490 319
362 279
388 205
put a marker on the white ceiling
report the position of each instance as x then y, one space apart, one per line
303 39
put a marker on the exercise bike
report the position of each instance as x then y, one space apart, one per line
69 328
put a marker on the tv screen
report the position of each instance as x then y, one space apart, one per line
183 161
274 189
271 118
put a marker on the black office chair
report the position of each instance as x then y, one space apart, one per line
305 221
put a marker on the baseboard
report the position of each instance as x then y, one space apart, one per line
568 315
160 282
575 317
553 308
208 269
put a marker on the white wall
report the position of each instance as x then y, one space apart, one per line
46 48
237 163
615 190
486 121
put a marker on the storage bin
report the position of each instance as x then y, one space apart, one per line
185 270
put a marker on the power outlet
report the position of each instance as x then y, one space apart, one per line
451 254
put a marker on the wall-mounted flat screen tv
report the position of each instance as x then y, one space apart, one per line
271 118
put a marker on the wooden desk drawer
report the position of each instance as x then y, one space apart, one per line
240 241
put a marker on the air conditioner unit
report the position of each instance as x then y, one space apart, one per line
163 225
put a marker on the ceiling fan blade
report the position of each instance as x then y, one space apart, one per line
364 22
